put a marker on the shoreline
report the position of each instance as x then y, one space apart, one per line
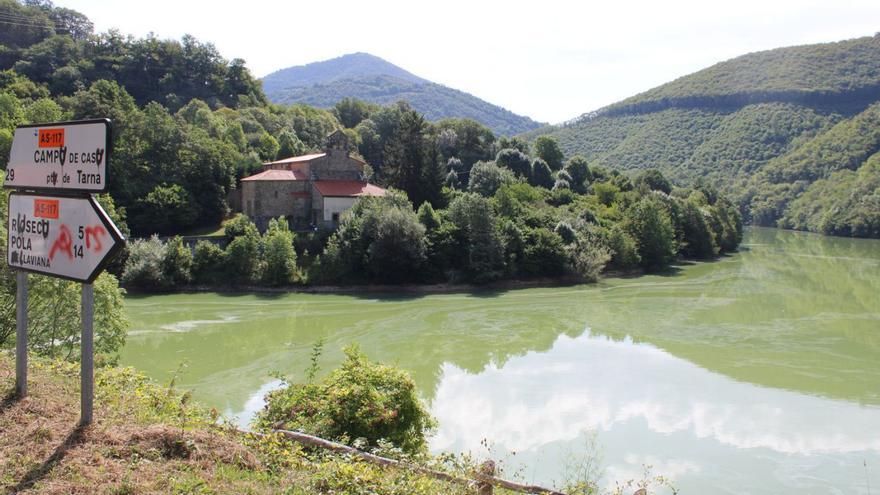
406 289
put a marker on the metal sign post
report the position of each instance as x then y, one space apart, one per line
21 336
57 228
87 355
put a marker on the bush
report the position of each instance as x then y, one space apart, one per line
209 262
177 262
487 177
649 224
588 259
698 239
239 225
397 250
244 256
144 267
479 250
543 253
379 238
279 253
624 250
542 175
359 400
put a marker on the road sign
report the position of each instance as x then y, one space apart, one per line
64 237
67 156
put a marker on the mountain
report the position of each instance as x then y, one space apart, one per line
770 128
369 78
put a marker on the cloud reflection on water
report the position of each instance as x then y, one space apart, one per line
594 383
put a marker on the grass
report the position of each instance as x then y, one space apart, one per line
152 439
207 230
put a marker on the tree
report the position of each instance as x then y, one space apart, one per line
397 249
279 253
487 177
477 237
245 256
653 180
268 147
514 160
543 253
649 224
289 144
412 161
209 262
547 149
579 170
351 111
167 209
541 175
177 262
144 267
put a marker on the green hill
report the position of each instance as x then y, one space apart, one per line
374 80
763 127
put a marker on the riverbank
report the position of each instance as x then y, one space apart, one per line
424 289
153 439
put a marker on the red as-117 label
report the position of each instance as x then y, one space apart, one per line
46 208
51 138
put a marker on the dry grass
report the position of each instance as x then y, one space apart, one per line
147 439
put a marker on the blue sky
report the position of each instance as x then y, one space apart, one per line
550 60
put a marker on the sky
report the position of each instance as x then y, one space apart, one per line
551 60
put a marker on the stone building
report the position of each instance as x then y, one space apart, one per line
309 190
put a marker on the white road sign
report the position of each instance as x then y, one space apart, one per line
70 156
60 236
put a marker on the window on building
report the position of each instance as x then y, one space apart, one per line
336 218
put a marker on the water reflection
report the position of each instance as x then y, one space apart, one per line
765 363
640 396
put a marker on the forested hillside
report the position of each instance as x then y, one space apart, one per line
763 127
374 80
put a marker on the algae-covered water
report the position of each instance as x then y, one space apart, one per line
758 373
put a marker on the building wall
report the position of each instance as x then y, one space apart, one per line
264 200
336 205
336 165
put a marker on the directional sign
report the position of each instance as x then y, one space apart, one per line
60 236
68 156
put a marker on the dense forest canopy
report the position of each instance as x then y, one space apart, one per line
763 127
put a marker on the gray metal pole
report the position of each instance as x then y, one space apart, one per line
21 336
87 356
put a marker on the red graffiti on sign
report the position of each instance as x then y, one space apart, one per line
93 235
64 243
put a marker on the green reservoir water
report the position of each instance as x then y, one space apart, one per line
758 373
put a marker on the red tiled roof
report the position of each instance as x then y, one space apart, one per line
274 174
296 159
348 188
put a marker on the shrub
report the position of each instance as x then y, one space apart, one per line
543 253
649 224
239 225
144 268
279 253
480 250
177 262
624 250
588 259
487 177
209 262
244 256
397 248
359 400
542 175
